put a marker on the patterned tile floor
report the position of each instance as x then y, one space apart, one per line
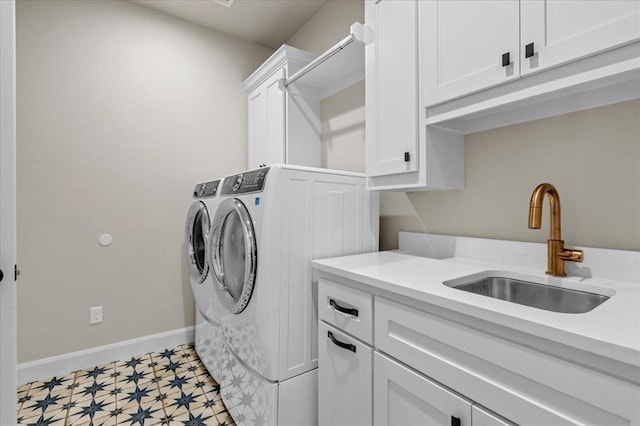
171 387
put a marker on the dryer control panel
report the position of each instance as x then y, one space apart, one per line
206 189
243 183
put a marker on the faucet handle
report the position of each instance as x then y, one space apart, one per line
571 255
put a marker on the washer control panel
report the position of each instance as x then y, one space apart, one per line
206 189
243 183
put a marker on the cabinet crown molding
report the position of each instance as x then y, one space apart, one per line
284 55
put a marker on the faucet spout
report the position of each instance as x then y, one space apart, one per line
556 253
535 209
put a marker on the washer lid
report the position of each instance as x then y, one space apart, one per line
196 232
233 254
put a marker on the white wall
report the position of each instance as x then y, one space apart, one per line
121 111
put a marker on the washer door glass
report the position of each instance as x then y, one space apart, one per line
234 254
197 228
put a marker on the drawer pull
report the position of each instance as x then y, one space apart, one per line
528 51
506 59
347 346
348 311
455 421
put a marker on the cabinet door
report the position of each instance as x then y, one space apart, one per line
404 397
392 87
462 44
257 106
275 100
266 123
563 31
483 417
344 379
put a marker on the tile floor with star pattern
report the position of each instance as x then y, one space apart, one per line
171 387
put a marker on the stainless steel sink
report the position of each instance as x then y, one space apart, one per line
541 296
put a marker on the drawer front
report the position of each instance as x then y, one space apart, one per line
344 379
404 397
346 308
522 384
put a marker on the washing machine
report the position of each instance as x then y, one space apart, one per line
208 330
270 223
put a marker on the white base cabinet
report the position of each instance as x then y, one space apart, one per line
344 388
430 366
404 397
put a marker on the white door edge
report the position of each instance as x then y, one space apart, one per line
8 304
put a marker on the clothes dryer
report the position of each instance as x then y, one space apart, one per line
208 331
270 223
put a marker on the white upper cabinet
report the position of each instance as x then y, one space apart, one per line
491 63
467 46
282 127
391 90
266 123
470 45
401 153
344 386
559 31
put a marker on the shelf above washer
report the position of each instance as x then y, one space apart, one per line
336 69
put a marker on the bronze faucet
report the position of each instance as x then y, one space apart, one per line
556 253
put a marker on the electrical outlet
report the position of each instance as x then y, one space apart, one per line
95 315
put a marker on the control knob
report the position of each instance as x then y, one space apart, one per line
238 182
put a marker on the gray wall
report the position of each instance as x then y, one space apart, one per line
121 110
591 156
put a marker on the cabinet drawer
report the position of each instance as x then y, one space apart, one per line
344 379
524 385
346 308
404 397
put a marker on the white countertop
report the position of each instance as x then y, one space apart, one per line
611 330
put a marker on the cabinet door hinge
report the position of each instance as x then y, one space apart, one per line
16 272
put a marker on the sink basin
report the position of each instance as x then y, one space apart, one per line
541 296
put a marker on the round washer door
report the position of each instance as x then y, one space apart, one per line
233 254
196 232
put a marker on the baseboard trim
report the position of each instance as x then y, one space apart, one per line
66 363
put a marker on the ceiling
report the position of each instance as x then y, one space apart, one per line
266 22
